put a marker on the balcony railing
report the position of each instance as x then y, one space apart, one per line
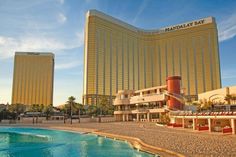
147 98
121 101
139 108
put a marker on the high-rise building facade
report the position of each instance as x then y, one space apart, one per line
119 56
33 78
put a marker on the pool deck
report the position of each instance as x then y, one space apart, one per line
156 139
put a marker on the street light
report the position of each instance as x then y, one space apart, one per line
79 115
70 112
64 117
1 115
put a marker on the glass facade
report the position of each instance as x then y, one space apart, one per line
33 78
119 56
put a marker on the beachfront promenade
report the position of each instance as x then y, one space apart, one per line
183 141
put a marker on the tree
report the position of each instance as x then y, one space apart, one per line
206 105
103 106
164 118
71 102
234 99
198 105
41 107
16 109
65 108
34 108
189 101
48 109
78 108
91 110
228 98
111 110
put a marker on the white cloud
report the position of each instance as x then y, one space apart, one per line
80 37
141 8
32 44
70 64
9 45
61 1
227 28
61 18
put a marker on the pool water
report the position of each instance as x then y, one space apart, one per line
31 142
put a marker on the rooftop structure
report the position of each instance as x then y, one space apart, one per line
150 103
219 96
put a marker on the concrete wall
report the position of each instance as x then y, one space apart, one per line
217 95
30 119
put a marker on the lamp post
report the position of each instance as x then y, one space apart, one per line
1 115
64 118
70 112
100 116
79 115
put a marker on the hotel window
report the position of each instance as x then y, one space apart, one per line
124 96
136 94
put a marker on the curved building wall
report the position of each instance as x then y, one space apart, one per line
120 56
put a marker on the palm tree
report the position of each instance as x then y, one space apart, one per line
17 109
103 107
71 101
91 109
35 108
198 105
228 98
206 105
48 109
78 108
234 99
41 107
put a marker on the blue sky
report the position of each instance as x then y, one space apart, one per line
58 26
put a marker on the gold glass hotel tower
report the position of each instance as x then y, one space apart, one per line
119 56
33 78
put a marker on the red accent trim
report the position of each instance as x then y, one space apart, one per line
175 125
227 130
173 86
200 128
173 78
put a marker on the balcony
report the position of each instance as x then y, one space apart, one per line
122 112
157 110
147 98
121 101
139 111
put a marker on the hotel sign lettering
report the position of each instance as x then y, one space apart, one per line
33 53
185 25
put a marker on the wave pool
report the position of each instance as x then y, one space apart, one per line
32 142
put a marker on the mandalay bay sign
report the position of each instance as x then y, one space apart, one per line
188 25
